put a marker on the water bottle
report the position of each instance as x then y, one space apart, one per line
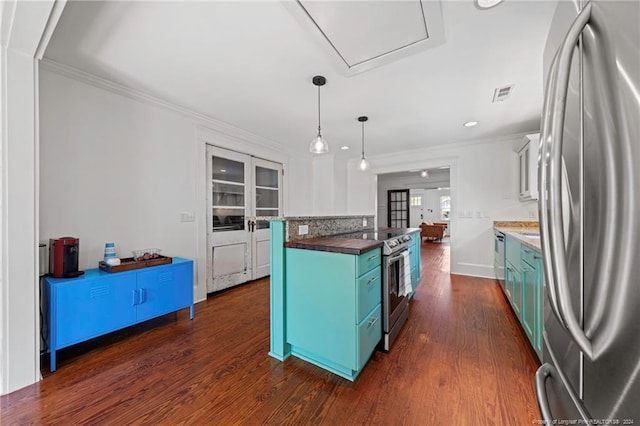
109 251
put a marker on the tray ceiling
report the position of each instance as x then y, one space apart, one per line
365 34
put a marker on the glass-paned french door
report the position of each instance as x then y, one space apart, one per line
241 189
398 208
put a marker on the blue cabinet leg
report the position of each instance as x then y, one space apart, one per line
191 311
52 363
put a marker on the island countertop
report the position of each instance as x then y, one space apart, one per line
336 245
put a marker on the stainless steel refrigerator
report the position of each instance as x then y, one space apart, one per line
589 205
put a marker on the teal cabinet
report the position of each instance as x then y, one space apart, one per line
533 303
510 280
524 280
414 258
333 308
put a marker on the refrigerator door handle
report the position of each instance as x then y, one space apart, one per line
548 370
543 372
543 162
556 243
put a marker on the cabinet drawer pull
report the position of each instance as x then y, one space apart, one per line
134 300
372 322
372 279
374 257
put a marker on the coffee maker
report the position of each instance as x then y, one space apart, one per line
63 257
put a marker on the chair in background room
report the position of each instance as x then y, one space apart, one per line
432 231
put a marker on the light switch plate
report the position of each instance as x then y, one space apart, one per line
187 216
303 229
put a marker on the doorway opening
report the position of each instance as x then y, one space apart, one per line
428 201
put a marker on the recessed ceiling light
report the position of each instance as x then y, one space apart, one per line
470 123
344 147
487 4
223 171
444 167
424 174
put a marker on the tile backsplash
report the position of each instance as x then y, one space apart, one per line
320 226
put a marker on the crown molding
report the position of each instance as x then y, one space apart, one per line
432 156
448 146
120 89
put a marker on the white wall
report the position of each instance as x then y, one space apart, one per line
299 192
483 183
25 31
117 168
113 169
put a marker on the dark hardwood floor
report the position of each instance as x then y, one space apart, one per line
460 360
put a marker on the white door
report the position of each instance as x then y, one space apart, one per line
416 214
240 187
267 202
229 199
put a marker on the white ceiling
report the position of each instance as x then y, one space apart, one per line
250 64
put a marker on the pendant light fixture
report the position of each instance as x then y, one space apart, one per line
319 145
363 164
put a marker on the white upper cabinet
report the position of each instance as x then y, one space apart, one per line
528 167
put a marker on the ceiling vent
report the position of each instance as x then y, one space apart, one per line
502 93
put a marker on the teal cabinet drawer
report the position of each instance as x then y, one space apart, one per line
369 335
369 260
369 292
529 255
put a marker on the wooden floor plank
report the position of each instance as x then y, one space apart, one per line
461 358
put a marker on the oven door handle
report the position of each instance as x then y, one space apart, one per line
394 258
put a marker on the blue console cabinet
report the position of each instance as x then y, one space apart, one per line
98 302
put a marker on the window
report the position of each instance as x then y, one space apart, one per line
445 207
416 201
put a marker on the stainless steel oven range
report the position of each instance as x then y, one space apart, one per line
395 305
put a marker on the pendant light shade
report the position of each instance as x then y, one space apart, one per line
319 145
363 165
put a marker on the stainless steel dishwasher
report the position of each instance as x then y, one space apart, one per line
498 256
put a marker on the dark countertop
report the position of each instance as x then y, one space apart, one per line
336 245
352 243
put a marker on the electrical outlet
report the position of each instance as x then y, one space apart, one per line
364 221
303 229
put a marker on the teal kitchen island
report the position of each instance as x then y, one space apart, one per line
326 299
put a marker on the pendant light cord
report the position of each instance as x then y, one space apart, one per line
363 139
319 110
